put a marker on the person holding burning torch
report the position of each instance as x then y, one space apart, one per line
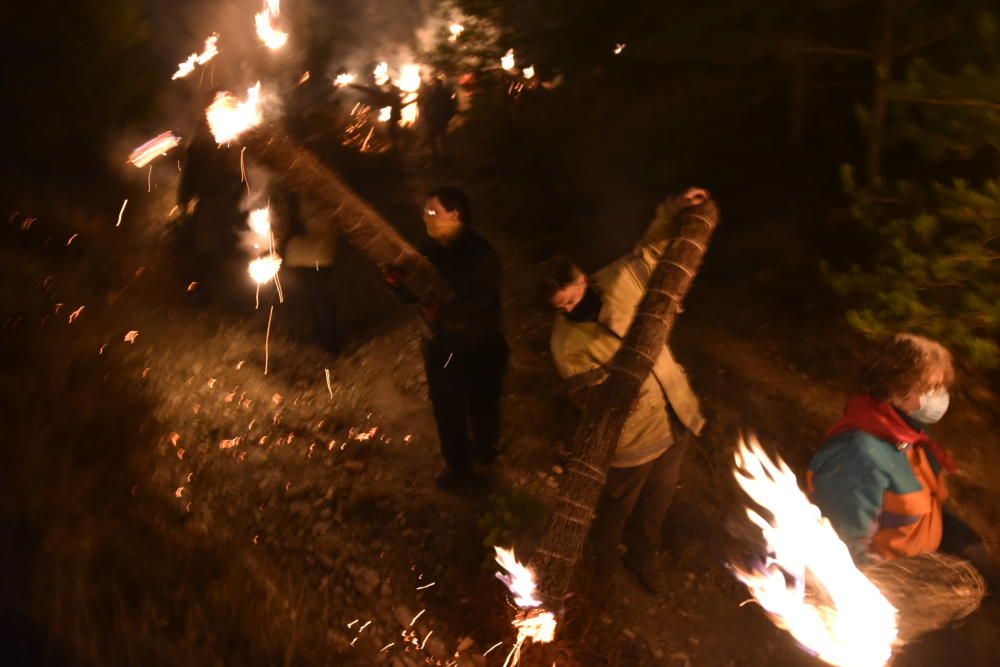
880 476
464 349
595 313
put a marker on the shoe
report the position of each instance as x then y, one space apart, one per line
647 574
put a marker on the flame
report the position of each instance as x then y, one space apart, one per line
409 78
228 117
344 78
207 53
507 61
454 30
529 72
409 82
264 268
619 48
152 149
381 73
260 222
533 622
842 618
270 35
384 114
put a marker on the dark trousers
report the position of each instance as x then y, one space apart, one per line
465 388
637 498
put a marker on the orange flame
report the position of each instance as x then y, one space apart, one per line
228 117
533 622
195 59
264 268
269 33
850 624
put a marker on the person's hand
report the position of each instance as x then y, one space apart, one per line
692 197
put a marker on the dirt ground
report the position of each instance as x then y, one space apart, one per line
169 503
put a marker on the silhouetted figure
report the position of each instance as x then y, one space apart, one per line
437 107
209 197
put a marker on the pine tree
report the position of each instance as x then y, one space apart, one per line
936 270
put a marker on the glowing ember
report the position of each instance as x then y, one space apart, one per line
153 149
270 35
384 114
454 30
381 73
807 583
619 48
260 222
507 61
529 72
344 78
533 622
228 117
264 269
195 59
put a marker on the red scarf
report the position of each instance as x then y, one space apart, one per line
882 420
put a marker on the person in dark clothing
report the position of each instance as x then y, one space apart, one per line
437 107
465 353
208 197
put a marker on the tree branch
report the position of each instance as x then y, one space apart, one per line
954 102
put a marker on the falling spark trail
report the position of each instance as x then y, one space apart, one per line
387 646
149 179
71 238
420 588
497 645
121 213
243 169
267 337
425 639
328 387
448 360
362 628
419 614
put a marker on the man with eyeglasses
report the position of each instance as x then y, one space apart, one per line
465 353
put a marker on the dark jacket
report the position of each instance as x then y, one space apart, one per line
471 267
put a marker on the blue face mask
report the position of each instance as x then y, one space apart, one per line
933 405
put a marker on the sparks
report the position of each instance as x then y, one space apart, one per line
131 336
384 114
267 339
454 30
807 582
264 268
228 117
270 35
619 48
507 61
195 59
121 213
529 72
152 149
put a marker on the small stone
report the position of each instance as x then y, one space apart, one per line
551 482
694 642
558 470
628 633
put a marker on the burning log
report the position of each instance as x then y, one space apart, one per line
361 224
609 404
